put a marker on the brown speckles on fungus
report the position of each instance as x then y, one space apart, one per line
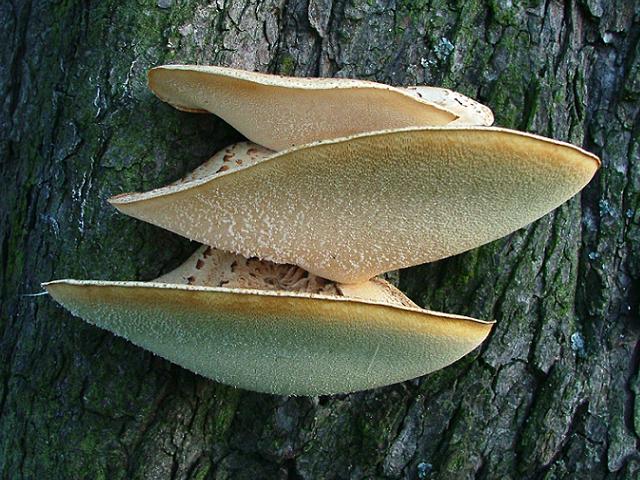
275 328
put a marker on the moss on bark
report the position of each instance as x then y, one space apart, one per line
552 394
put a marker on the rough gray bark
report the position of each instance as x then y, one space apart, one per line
555 391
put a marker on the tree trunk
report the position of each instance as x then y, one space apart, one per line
553 393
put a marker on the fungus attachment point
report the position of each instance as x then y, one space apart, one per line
351 208
280 112
274 328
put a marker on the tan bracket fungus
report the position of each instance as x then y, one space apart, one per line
341 210
351 208
275 328
280 112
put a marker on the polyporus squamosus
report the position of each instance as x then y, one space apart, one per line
281 112
345 209
351 208
275 328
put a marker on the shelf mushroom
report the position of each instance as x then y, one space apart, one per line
352 208
349 201
280 112
275 328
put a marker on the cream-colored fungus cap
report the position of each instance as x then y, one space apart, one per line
274 328
281 112
349 209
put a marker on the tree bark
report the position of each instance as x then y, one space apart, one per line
554 392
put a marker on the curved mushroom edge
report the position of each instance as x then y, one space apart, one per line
274 328
263 155
274 342
49 286
287 82
212 270
462 110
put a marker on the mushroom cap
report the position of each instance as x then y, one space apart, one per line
351 208
274 341
281 112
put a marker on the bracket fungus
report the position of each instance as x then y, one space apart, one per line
280 112
378 178
351 208
275 328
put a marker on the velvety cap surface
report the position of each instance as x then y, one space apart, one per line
281 112
276 341
349 209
